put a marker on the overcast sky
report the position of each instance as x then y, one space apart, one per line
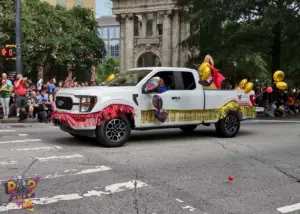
103 7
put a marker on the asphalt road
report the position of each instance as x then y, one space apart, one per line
156 172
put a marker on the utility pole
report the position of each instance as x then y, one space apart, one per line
18 37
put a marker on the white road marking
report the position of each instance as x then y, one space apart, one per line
289 208
8 163
179 200
114 188
20 141
38 148
59 157
22 134
83 172
6 130
192 209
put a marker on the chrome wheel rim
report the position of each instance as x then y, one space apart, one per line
115 130
231 124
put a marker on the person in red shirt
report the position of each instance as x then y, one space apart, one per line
21 98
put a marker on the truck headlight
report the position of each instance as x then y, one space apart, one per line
87 103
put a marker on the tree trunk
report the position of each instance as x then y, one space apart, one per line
276 57
93 73
40 71
40 75
69 79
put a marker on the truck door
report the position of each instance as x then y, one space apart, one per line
171 100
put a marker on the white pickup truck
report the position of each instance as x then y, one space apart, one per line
109 112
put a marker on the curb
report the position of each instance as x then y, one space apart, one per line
274 121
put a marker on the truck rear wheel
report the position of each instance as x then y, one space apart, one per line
114 132
229 126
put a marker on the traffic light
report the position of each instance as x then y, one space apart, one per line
8 52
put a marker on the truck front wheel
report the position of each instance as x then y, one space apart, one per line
114 132
229 126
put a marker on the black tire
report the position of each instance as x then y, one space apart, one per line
114 132
229 126
188 128
80 137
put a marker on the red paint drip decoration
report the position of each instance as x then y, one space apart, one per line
92 119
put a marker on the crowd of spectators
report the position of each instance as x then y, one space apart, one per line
23 99
285 104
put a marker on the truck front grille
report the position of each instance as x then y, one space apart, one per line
65 103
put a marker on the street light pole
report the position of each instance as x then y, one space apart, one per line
18 37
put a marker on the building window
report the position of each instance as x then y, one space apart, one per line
117 32
114 49
160 29
62 3
104 33
78 3
112 32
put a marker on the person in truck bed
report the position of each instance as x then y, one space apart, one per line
215 78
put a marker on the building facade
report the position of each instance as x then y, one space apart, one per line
71 3
110 33
150 33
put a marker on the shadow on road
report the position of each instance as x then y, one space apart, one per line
150 136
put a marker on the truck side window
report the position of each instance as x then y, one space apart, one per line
168 78
188 80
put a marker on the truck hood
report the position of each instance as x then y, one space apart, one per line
95 90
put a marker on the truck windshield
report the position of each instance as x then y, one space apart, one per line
129 78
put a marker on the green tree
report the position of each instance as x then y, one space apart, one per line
53 35
239 29
110 66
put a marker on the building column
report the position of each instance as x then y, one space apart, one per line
129 29
144 25
154 25
122 42
185 33
167 39
176 39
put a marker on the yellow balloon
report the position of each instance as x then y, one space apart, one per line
238 88
278 76
203 65
206 73
243 83
248 88
110 77
282 85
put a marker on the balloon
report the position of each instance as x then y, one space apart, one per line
278 76
157 102
110 78
205 73
153 84
248 88
202 66
269 90
281 85
243 83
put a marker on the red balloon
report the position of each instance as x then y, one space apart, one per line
230 178
269 90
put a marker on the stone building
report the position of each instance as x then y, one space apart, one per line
91 4
150 33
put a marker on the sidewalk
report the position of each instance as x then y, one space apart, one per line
288 118
16 120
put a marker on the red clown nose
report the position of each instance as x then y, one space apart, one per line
230 178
